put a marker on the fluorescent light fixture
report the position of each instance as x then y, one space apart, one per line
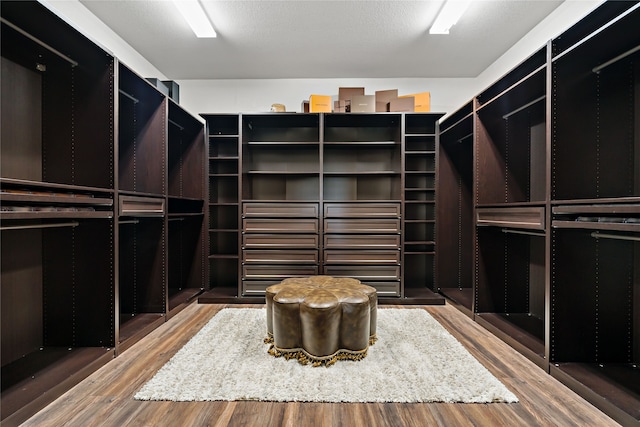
448 16
196 17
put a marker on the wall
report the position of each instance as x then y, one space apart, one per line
251 95
88 24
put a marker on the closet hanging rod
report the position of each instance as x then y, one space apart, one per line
40 42
517 110
616 59
131 97
465 137
32 226
526 233
455 124
131 221
597 235
175 124
176 219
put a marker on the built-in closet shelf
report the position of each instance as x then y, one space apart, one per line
522 331
454 209
525 218
38 378
613 387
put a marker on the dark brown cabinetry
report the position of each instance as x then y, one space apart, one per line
323 194
419 214
455 208
511 206
554 166
142 206
223 132
91 178
595 195
187 212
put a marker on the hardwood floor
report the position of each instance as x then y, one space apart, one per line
106 397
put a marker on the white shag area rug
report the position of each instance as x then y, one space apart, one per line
414 360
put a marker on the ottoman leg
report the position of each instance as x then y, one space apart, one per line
320 316
287 332
355 326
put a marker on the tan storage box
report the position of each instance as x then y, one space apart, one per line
402 105
347 93
363 104
320 103
383 97
422 101
342 106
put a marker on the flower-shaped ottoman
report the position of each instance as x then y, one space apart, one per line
321 319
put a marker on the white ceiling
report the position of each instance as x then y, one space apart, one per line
265 39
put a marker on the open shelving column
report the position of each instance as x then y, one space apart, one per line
56 191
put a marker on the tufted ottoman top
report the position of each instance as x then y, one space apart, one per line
321 319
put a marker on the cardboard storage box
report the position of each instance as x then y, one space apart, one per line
422 101
159 84
320 103
347 93
383 97
363 104
405 104
174 90
341 106
305 106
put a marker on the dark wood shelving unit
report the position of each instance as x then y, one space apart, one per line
552 157
595 196
187 211
420 150
223 131
455 209
84 193
57 218
142 207
321 194
510 213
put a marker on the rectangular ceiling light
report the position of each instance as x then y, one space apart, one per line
448 16
196 17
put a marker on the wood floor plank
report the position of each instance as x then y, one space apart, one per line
105 398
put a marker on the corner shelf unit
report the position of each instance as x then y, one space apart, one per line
91 177
322 194
553 220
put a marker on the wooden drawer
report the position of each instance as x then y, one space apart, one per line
291 225
530 218
385 289
140 206
382 225
362 257
309 241
275 256
337 241
362 210
257 287
364 273
250 271
280 210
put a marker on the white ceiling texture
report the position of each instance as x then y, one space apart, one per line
265 39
